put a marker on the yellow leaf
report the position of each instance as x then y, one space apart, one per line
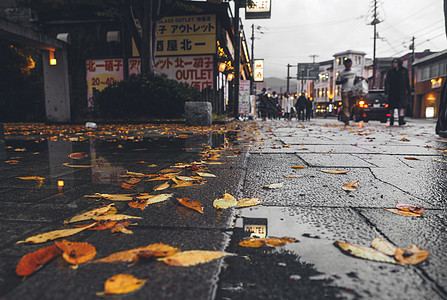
78 166
76 253
52 235
117 217
32 178
88 215
412 255
121 228
246 202
226 201
161 187
383 246
203 174
335 171
122 284
404 212
271 242
299 167
192 258
112 197
274 185
351 186
364 252
151 199
133 254
195 205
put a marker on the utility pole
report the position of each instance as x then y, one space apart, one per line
313 57
237 60
411 102
252 64
374 22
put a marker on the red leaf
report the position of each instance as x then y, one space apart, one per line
31 262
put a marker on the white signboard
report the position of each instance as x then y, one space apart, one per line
258 66
244 97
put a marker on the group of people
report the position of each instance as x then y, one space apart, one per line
275 106
397 89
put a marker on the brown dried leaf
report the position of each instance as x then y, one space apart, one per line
195 205
142 201
192 258
120 227
31 262
404 212
412 255
161 187
411 158
271 242
132 255
76 253
226 201
335 171
351 186
125 185
117 217
78 155
408 207
112 197
364 252
132 180
88 215
299 167
246 202
32 178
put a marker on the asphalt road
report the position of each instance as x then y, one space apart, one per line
391 164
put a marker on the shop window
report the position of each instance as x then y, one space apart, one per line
425 74
434 70
442 68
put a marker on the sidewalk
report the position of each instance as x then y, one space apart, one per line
311 208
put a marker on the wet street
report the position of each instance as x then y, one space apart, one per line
291 167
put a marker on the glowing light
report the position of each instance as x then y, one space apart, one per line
222 67
60 183
53 61
230 77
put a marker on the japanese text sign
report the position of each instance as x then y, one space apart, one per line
182 35
260 9
258 67
102 73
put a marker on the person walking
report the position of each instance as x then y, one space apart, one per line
309 109
262 104
347 79
397 88
287 106
300 106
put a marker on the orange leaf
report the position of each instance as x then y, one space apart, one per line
412 255
271 242
31 262
161 187
408 207
403 212
196 205
192 258
351 186
78 155
120 227
127 186
133 180
122 284
76 253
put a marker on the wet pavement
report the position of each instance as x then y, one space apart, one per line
392 164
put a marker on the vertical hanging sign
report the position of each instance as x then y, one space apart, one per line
258 66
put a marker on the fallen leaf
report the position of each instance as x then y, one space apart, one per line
76 253
187 183
351 186
11 162
408 207
132 180
274 185
142 201
404 140
192 258
412 255
121 228
78 166
31 262
383 246
132 255
404 212
112 197
271 242
161 187
246 202
117 217
299 167
78 155
195 205
88 215
226 201
32 178
122 284
335 171
125 185
411 158
203 174
364 252
52 235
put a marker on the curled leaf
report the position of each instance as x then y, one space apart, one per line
132 255
76 253
31 262
122 284
364 252
271 242
351 186
88 215
383 246
192 258
408 207
120 227
335 171
404 212
196 205
412 255
226 201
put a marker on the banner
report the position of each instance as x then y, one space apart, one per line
244 97
258 70
102 73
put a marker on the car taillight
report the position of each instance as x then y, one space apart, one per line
388 115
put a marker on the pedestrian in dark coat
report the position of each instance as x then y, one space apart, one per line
300 106
262 104
397 88
309 105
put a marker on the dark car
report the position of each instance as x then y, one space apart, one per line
371 106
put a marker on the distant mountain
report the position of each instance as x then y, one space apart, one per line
277 84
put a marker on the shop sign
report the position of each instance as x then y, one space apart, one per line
260 9
244 97
258 66
436 83
102 73
185 35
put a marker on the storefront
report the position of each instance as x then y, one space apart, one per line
431 74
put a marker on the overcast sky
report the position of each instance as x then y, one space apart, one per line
298 29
